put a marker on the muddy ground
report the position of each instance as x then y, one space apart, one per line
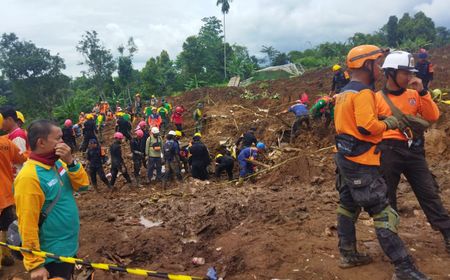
281 227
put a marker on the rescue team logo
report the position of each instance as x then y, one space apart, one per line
412 101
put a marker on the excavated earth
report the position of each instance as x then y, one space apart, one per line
281 227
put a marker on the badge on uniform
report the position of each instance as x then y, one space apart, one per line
412 101
61 171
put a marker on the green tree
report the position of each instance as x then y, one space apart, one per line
391 29
270 52
202 54
159 75
99 60
442 36
125 65
37 83
225 8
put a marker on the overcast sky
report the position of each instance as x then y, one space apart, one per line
156 24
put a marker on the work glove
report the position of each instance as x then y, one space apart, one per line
391 122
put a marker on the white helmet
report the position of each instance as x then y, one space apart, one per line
173 133
399 60
155 130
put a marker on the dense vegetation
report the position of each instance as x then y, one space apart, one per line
32 79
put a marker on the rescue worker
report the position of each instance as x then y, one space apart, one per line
95 159
69 135
224 163
166 105
403 149
301 116
9 154
177 118
89 132
184 152
147 111
198 117
424 69
124 127
199 158
153 151
245 158
304 98
81 119
153 101
340 79
138 155
16 134
154 120
247 139
117 162
164 114
137 105
50 176
99 122
20 119
358 181
323 107
171 152
143 126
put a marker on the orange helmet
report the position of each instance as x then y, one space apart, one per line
360 54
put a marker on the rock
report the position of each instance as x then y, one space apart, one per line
317 180
111 218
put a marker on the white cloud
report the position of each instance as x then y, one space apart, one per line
157 24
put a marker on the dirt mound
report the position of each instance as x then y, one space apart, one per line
283 226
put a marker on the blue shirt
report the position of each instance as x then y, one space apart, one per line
299 110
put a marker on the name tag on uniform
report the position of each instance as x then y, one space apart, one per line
52 182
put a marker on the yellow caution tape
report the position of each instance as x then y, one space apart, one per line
104 266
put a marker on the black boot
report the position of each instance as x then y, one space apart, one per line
406 270
446 235
352 258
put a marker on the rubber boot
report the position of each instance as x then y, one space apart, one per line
5 255
446 235
351 257
406 270
240 182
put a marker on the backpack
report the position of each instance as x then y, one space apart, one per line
169 150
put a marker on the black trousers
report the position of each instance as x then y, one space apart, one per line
227 167
361 186
97 170
85 142
397 159
199 171
295 131
115 171
7 216
63 270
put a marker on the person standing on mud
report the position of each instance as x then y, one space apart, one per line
69 135
403 150
95 158
9 154
138 155
117 162
177 118
424 69
124 127
171 152
50 175
340 79
89 131
153 148
198 117
199 158
358 181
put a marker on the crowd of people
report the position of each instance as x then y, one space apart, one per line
379 137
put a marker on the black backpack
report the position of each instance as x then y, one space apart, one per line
169 150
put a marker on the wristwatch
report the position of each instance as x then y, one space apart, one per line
74 162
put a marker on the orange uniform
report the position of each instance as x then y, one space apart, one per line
356 115
9 154
410 103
